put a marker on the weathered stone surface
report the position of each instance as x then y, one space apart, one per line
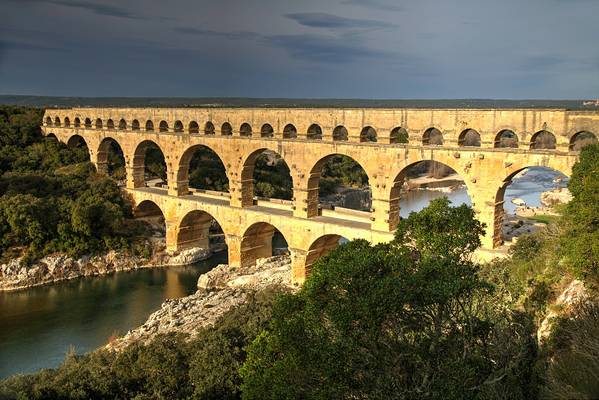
574 293
219 290
556 196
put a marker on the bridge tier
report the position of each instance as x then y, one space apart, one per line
305 139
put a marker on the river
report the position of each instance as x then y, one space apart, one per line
38 326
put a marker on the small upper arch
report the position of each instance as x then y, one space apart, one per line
77 122
289 132
340 133
57 121
432 137
110 124
88 123
135 125
399 135
314 132
48 120
98 123
267 131
209 128
245 130
163 126
368 134
67 121
122 124
193 128
178 127
226 129
149 125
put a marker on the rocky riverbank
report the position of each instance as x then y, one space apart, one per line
218 291
15 275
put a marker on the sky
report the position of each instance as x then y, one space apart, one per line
368 49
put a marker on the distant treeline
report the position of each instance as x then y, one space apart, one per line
57 102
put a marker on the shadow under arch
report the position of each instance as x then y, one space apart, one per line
559 178
111 159
340 170
151 213
261 240
199 229
581 139
148 162
321 247
425 174
78 142
506 138
543 140
266 174
202 168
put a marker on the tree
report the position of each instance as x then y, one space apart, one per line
400 320
580 240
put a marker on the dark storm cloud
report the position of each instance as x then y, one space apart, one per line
324 20
94 7
231 35
373 4
322 48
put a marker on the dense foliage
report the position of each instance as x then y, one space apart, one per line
51 200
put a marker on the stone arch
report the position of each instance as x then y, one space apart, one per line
163 126
51 136
135 125
321 247
399 135
257 242
122 124
267 131
110 158
289 132
49 121
313 184
57 121
211 163
110 124
245 130
77 141
226 129
197 229
248 176
149 125
140 167
469 138
432 137
178 127
67 122
209 128
368 134
193 128
77 122
395 193
151 213
98 123
581 139
499 212
314 132
506 138
543 140
88 123
340 134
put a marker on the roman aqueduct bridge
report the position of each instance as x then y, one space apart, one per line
485 147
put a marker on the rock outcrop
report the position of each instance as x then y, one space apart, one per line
218 291
556 196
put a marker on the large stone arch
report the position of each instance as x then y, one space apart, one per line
543 140
469 138
75 141
138 163
247 174
320 248
506 138
256 242
184 164
433 137
153 214
103 154
194 230
581 139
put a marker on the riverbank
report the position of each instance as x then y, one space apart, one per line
15 275
219 290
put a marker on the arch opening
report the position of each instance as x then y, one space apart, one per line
122 124
111 159
368 134
398 135
543 140
340 133
245 130
78 143
289 132
432 137
267 176
88 123
163 126
341 183
149 125
67 122
149 165
321 247
77 122
267 131
261 240
506 138
152 216
110 124
199 229
209 128
314 132
193 128
178 127
135 125
469 138
526 200
98 123
582 139
57 121
226 129
49 121
203 169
